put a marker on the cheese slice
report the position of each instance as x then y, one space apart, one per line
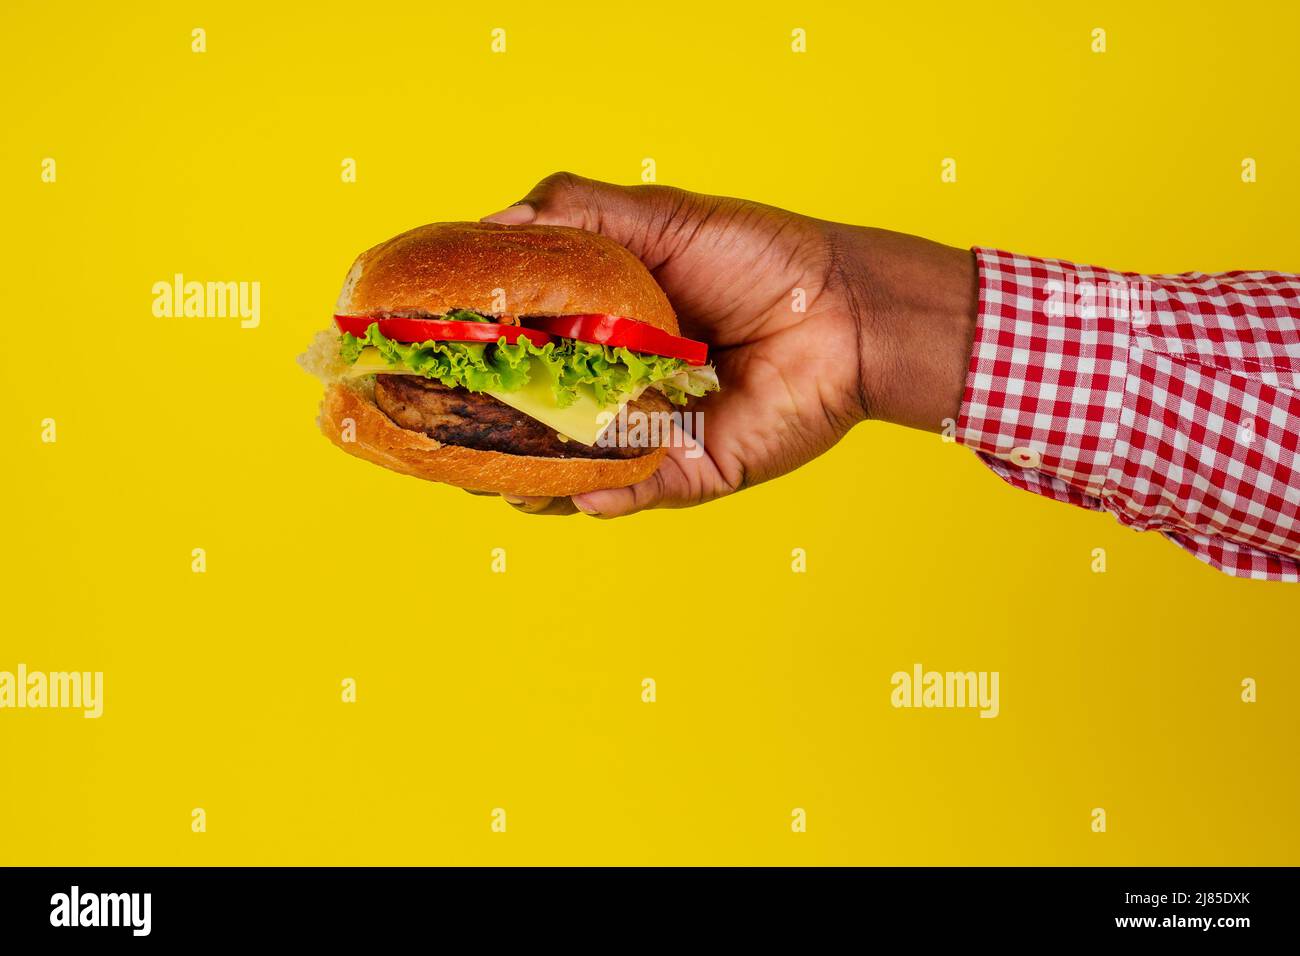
370 361
582 421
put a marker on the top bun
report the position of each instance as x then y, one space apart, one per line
542 270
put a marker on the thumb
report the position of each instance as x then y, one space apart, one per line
635 217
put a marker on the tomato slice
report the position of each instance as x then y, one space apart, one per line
422 330
617 331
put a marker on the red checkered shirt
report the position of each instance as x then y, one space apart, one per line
1171 401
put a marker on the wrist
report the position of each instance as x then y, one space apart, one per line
914 303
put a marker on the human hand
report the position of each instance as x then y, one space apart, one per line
877 308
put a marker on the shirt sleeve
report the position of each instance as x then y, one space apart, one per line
1171 401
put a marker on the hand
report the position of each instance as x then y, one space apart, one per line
884 330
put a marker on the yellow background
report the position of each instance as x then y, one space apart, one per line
523 691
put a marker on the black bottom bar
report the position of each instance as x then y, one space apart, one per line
548 905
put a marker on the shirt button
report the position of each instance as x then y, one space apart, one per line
1025 457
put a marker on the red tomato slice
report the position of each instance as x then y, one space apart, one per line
422 330
617 331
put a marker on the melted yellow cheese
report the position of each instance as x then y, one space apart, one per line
583 421
370 361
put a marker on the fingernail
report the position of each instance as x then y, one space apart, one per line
515 215
513 501
584 506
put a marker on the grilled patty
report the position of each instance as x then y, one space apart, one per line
473 420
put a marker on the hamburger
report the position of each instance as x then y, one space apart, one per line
498 358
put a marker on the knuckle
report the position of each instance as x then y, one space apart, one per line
561 184
566 198
648 493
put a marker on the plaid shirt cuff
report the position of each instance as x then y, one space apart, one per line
1171 401
1045 385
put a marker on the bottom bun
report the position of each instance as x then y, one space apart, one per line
378 440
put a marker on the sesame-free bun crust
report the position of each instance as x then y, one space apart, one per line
348 412
540 270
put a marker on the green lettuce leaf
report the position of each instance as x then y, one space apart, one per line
612 373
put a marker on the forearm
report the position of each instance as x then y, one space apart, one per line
1171 401
914 303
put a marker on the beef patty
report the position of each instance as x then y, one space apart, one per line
473 420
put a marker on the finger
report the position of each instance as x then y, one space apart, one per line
516 215
538 505
618 502
630 215
670 486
